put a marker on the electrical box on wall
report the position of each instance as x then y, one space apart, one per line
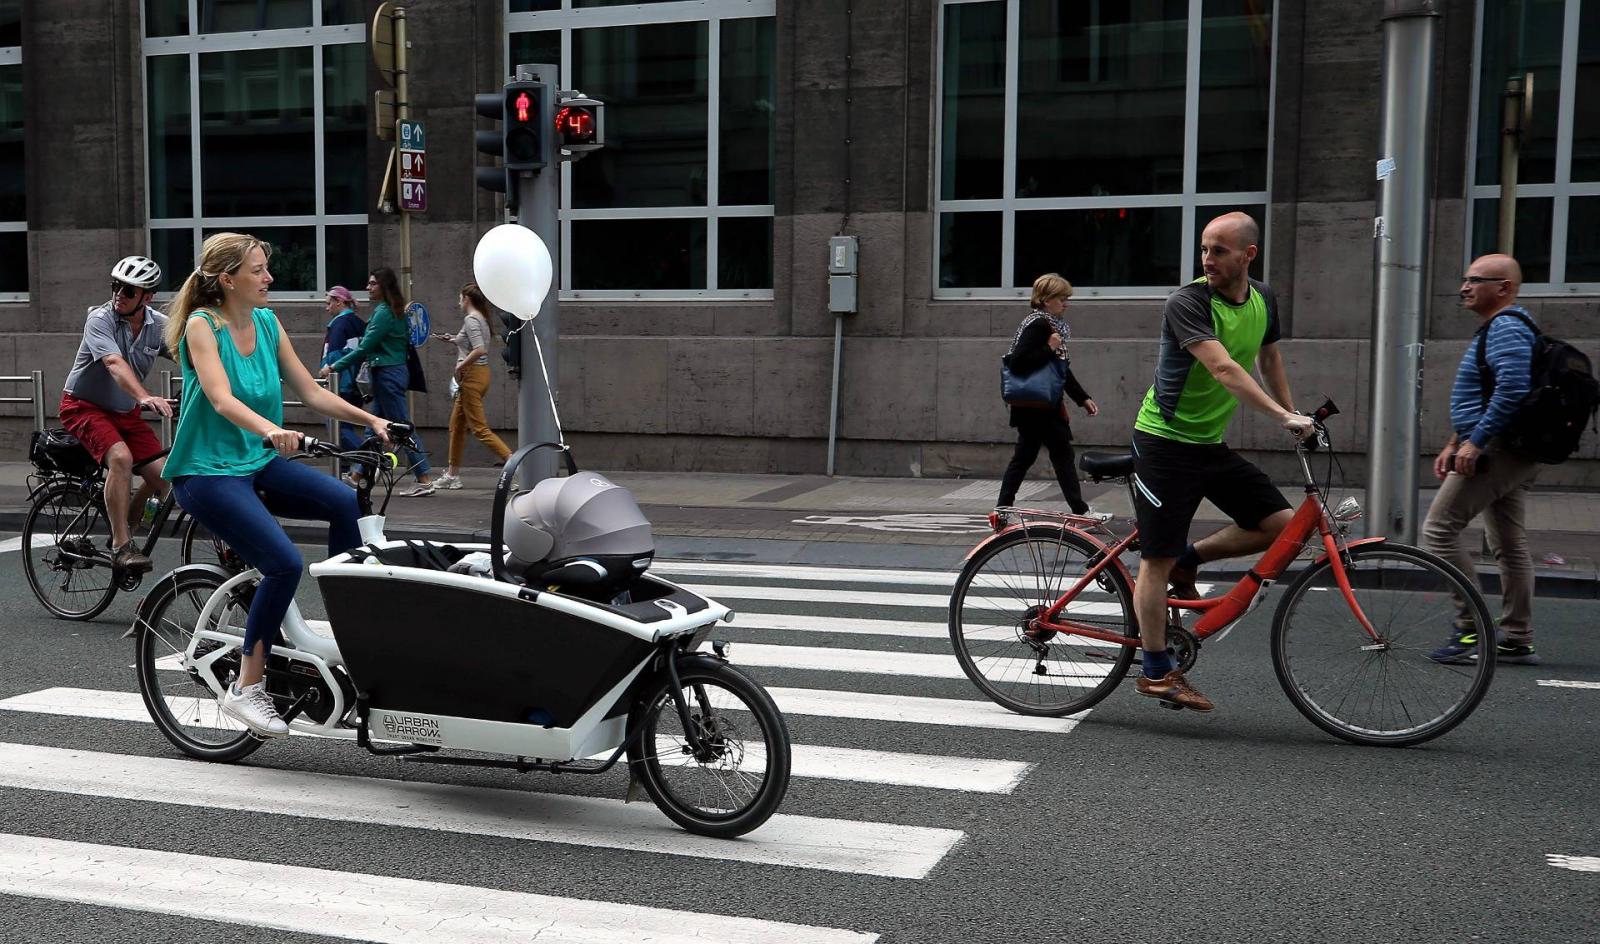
843 259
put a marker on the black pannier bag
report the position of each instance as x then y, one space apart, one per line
58 452
1562 397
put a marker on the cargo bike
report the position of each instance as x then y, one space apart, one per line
551 648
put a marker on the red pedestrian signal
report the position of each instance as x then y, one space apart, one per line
522 105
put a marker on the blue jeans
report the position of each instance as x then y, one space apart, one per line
389 401
247 522
350 438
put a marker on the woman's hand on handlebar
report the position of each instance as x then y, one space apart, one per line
286 441
380 428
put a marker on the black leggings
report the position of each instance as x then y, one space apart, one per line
1050 430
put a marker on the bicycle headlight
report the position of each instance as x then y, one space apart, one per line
1348 510
394 460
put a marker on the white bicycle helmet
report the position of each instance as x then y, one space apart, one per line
137 270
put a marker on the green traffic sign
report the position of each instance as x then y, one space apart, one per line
411 137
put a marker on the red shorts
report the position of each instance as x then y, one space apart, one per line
99 429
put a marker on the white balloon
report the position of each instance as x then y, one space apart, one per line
512 266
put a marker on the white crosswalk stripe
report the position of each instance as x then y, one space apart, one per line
971 774
1574 863
1568 683
361 907
826 686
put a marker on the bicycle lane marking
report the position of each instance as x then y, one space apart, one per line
15 544
893 768
1568 683
355 905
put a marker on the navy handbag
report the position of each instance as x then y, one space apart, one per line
1042 388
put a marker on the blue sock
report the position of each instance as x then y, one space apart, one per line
1189 559
1157 664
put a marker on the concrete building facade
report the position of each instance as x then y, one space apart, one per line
964 142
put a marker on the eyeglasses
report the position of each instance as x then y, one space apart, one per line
1480 279
121 290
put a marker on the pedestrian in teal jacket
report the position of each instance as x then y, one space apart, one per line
383 346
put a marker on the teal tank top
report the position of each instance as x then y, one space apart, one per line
206 443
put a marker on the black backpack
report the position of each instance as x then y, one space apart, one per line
1562 396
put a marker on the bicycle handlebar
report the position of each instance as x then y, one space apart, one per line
399 434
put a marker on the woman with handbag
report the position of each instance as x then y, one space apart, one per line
384 347
1040 344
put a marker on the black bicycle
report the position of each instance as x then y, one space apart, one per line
66 539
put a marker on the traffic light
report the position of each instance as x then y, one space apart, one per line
490 105
517 143
524 147
580 125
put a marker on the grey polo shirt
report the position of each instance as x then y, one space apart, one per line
105 334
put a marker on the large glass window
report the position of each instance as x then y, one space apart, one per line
1095 138
13 189
679 203
257 120
1558 162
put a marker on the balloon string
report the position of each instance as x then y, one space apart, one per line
560 436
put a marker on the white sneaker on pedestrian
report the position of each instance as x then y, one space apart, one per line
446 480
423 490
252 707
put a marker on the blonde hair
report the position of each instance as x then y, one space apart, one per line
1048 286
222 254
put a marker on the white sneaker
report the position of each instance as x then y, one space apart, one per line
446 480
252 707
423 490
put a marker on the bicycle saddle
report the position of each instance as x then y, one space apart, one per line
1106 465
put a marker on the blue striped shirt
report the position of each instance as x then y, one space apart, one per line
1510 357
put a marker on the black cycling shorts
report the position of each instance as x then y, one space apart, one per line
1172 478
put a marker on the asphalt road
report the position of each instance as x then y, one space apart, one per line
1136 825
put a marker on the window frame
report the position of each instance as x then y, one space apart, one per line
712 13
192 46
12 56
1562 189
1008 204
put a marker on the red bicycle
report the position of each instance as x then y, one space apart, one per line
1042 616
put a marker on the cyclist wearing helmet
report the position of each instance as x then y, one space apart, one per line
105 391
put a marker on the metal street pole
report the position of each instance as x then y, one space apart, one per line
402 112
538 198
1400 236
1517 110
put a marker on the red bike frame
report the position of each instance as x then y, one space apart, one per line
1219 613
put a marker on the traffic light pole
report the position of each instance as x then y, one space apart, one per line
538 197
402 112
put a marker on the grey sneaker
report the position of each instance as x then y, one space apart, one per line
446 480
252 707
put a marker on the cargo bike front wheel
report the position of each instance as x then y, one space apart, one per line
731 775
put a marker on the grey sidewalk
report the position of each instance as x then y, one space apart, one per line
909 522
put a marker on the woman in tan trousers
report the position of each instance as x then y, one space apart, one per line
472 374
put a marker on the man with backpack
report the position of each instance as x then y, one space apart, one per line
1480 471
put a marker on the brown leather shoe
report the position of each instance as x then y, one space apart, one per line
128 558
1174 688
1180 584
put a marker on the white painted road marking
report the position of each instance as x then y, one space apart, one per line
1568 683
1573 863
15 544
914 709
917 664
968 774
357 906
808 842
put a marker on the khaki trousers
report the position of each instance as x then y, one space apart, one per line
1499 493
468 413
